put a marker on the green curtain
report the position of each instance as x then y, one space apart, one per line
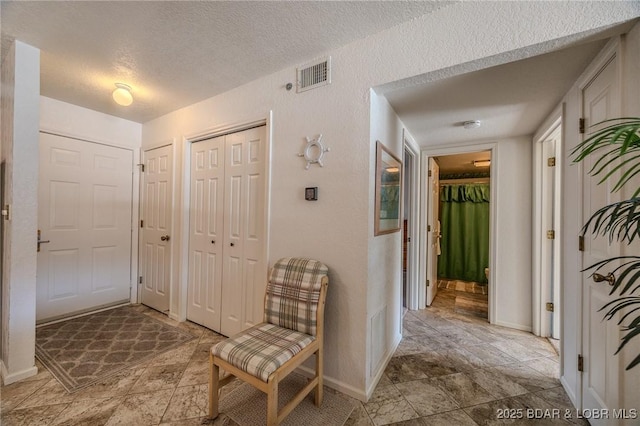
464 227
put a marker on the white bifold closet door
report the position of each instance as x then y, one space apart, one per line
227 231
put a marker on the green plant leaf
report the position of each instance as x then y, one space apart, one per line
620 221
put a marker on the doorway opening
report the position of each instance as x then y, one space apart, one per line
460 232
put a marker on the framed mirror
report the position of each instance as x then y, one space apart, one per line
388 191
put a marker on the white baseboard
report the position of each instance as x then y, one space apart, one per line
570 393
8 378
335 384
372 386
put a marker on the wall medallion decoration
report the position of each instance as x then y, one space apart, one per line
314 151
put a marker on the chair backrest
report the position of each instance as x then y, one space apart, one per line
294 293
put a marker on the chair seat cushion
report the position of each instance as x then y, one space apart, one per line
262 349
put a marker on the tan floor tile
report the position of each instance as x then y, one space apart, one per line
427 368
88 412
14 394
159 377
141 409
387 405
34 416
187 403
52 393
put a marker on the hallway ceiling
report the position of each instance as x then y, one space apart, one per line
510 100
176 53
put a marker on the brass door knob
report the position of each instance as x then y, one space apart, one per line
610 278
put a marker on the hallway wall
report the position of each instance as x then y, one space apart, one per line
338 228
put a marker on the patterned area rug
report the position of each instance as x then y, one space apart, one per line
247 406
82 351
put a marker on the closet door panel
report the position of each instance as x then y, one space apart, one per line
244 230
206 223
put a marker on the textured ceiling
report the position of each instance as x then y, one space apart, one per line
510 100
174 54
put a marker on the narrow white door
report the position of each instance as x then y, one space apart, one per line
600 338
84 217
433 230
205 232
244 230
549 262
155 241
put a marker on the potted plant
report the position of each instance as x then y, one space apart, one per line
618 143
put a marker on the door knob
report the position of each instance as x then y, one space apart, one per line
232 244
213 241
164 238
610 278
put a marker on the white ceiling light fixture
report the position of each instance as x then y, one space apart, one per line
122 94
482 163
471 124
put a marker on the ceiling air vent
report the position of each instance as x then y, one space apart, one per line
314 74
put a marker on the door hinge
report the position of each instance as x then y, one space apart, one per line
140 280
429 174
551 161
581 243
550 306
141 167
581 125
428 283
580 363
551 234
6 210
142 224
428 228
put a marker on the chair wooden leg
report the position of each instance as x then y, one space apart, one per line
319 373
272 402
214 382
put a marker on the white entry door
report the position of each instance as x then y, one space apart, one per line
206 232
155 242
84 219
227 269
600 338
433 229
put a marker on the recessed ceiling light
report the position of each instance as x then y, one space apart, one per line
471 124
122 94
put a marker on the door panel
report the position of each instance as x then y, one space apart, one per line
84 211
433 233
600 338
244 211
205 234
156 216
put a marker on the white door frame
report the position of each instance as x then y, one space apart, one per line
180 299
541 322
413 271
439 150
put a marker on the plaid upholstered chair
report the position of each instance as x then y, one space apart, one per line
291 332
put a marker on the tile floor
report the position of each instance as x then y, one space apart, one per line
449 369
467 298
